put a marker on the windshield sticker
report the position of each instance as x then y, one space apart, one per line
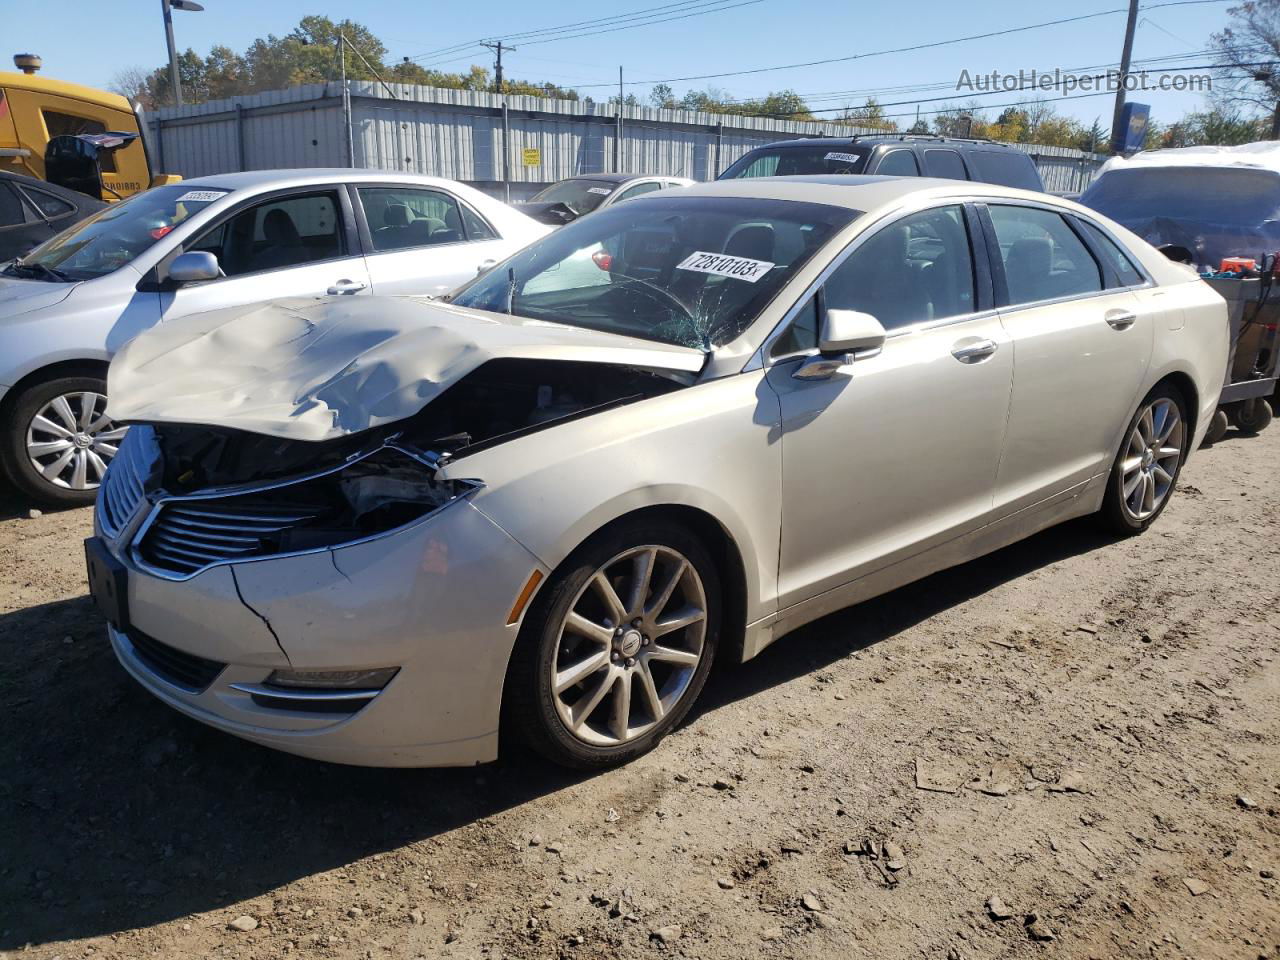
202 196
722 265
603 191
843 157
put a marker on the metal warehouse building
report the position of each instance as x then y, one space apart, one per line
509 149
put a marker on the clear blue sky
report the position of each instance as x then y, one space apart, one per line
87 42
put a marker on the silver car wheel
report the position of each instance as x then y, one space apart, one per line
1151 459
629 646
71 440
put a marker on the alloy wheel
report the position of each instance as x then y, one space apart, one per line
629 646
1151 459
71 440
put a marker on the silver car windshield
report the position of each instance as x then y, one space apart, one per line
692 271
116 235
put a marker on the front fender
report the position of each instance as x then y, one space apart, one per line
713 447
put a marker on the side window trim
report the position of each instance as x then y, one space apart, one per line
466 231
760 358
1114 281
345 225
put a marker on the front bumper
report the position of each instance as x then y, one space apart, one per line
431 599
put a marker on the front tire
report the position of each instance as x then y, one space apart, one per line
616 647
1146 468
58 441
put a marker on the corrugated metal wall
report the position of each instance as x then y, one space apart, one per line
459 134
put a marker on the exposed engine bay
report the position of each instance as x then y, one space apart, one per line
497 401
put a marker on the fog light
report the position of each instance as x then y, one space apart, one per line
333 679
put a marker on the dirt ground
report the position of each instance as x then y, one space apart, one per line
1098 719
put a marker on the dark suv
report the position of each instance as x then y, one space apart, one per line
904 155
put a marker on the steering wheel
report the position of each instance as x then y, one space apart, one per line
666 295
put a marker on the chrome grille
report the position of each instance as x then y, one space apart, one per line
188 535
123 487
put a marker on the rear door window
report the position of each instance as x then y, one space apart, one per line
1009 168
640 189
403 217
48 205
944 163
1042 256
12 213
898 163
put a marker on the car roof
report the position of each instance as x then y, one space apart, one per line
872 139
622 177
852 191
255 179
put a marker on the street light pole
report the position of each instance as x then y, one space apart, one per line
173 53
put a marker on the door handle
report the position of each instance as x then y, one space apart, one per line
346 286
975 351
1121 319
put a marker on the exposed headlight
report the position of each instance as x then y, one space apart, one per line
374 494
333 679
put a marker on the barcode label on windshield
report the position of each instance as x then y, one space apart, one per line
603 191
843 157
201 196
722 265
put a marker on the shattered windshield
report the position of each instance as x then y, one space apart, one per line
117 234
692 271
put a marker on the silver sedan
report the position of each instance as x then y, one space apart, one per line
399 531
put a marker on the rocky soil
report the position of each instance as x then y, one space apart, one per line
1069 749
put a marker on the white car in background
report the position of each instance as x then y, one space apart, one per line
574 197
380 532
219 241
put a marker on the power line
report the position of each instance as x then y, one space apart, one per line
660 14
913 48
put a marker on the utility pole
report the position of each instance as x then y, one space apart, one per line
346 100
497 48
617 140
1117 135
173 53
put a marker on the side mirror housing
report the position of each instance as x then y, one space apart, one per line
847 335
850 331
193 267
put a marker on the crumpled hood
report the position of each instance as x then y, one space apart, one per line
19 296
308 369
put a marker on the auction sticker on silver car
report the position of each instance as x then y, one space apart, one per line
738 268
201 196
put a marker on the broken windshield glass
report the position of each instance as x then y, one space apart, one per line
690 271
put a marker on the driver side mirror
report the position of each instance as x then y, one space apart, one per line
193 267
851 331
847 335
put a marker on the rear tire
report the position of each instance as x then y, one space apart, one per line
57 442
600 674
1146 467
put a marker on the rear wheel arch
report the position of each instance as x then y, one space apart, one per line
1183 383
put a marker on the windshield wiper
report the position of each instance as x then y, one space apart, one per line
34 270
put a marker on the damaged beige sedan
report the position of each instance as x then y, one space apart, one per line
398 531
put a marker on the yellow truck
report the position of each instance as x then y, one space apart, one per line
35 110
